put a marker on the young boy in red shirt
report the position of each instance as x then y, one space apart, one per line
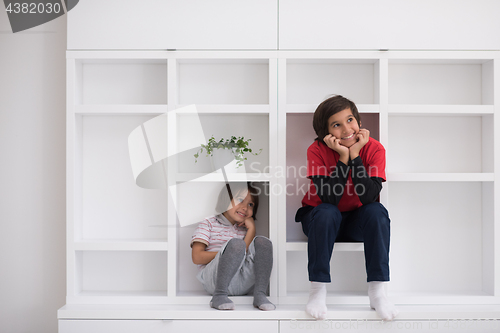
346 168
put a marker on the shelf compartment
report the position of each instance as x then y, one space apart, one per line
296 171
121 81
223 81
187 284
440 144
108 203
249 126
121 273
449 234
450 82
302 246
310 81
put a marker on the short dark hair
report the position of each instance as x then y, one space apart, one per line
232 189
329 107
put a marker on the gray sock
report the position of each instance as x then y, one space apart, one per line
263 264
229 262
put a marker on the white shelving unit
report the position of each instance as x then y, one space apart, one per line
436 113
119 231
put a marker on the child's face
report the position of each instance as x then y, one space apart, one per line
243 208
344 126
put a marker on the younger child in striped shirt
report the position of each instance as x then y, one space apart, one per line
232 260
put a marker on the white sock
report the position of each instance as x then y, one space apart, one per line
378 301
316 306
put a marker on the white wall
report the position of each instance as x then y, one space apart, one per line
32 176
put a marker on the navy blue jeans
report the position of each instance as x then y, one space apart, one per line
325 224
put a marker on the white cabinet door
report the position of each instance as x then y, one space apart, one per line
389 24
170 326
174 24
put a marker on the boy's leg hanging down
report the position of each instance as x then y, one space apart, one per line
321 226
374 221
229 263
263 264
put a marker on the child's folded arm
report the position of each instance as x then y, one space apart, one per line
199 254
370 186
331 188
250 234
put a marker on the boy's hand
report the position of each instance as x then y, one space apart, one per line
334 144
249 223
362 139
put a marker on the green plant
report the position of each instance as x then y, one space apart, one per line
238 144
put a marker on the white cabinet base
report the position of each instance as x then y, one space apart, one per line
286 318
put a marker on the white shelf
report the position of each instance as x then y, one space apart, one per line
399 299
439 110
120 109
218 177
302 246
114 245
440 177
310 108
151 109
283 312
230 108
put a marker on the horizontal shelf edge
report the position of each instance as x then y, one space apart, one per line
169 54
310 108
440 177
218 177
227 108
282 312
121 246
405 109
120 109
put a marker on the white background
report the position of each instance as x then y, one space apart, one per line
32 176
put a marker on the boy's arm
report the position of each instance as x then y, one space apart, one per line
331 188
250 225
369 187
199 255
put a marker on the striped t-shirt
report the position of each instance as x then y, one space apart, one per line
215 231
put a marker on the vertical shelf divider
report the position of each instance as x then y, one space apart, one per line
171 177
382 69
281 181
273 162
496 185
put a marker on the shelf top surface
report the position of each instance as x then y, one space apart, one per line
283 312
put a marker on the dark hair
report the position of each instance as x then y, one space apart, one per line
328 108
232 189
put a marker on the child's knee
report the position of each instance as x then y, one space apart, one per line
327 211
236 245
263 243
377 214
377 209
